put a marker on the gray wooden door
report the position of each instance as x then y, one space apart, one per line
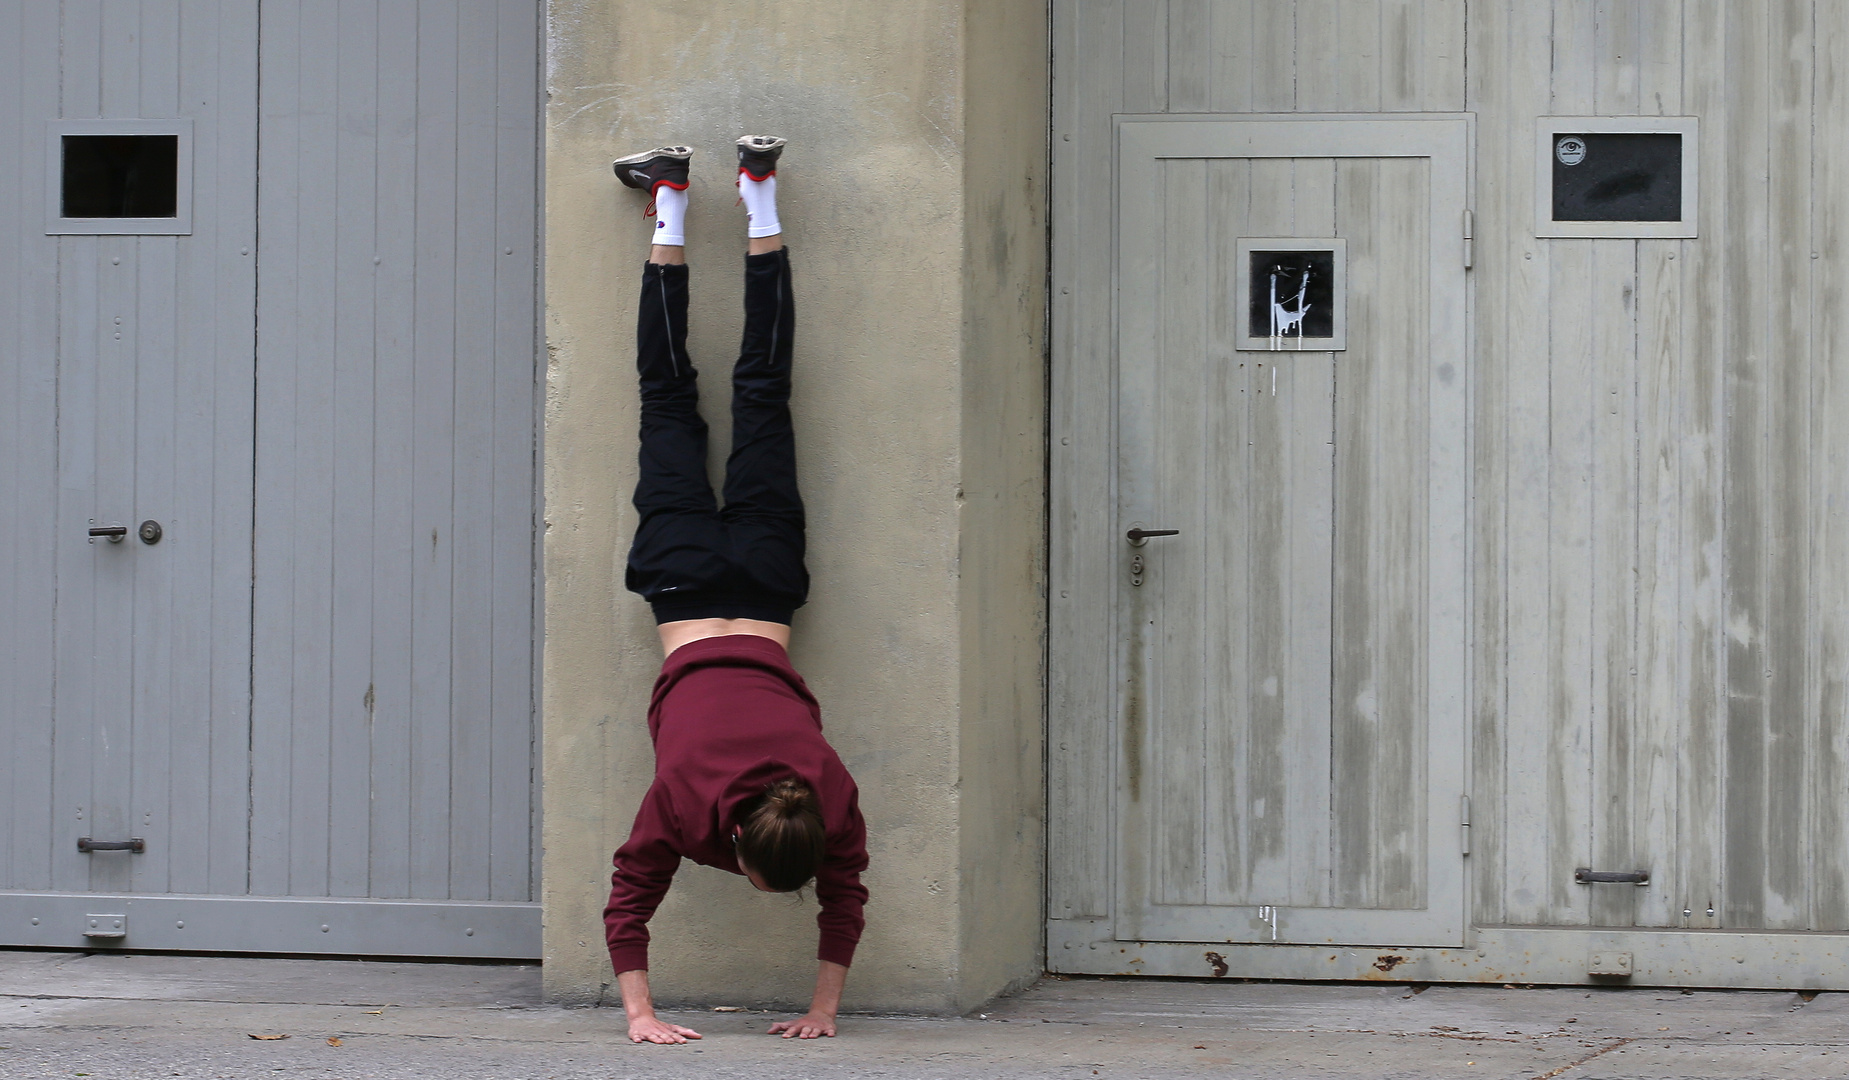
1292 662
311 700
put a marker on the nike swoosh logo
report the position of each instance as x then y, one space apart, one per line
639 175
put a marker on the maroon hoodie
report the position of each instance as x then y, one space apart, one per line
728 717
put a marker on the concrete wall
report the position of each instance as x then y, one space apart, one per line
913 203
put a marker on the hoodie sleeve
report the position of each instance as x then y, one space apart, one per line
645 866
838 888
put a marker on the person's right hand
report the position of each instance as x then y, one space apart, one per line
651 1029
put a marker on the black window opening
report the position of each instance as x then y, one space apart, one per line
1291 295
121 176
1617 176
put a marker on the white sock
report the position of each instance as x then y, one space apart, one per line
670 216
760 206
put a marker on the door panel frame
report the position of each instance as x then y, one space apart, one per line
1142 141
321 926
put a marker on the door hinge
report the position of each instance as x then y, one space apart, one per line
1463 812
1470 235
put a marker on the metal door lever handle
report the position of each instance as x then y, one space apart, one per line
1588 876
115 533
87 845
1138 537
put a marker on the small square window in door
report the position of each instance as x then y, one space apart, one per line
1618 176
120 176
1292 294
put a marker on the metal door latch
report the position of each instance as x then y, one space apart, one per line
113 533
1587 876
87 845
1136 569
105 926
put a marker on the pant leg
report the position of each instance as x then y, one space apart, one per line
763 506
680 543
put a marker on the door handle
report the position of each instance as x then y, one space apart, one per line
114 533
1139 536
87 845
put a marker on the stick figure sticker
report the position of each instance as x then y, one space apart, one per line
1570 150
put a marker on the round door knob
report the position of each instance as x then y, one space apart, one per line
150 532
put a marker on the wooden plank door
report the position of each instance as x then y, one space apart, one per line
312 700
129 345
1292 665
394 737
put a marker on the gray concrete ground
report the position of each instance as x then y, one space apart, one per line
131 1017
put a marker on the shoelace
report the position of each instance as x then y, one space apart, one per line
649 210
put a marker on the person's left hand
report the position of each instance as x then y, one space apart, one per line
813 1026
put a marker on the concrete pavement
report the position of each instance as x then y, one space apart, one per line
131 1017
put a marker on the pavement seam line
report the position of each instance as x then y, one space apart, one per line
1582 1061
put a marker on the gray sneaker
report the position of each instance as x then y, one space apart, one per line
758 154
653 168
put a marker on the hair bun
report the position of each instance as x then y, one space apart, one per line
789 797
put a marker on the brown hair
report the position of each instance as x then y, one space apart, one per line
780 836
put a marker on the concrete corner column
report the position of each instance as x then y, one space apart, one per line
913 199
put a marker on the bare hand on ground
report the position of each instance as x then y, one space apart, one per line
650 1029
813 1026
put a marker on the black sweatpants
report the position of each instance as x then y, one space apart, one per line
691 558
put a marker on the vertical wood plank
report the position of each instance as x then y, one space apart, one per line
228 178
29 488
79 89
352 220
516 479
1572 420
1358 41
1272 55
1659 708
1226 583
1085 549
1829 455
1613 570
1318 60
273 600
1525 830
1402 438
395 546
112 634
1786 530
1746 292
1488 97
1617 45
1356 721
1268 566
310 458
157 607
190 630
1402 55
1176 692
433 464
1233 44
1702 569
1145 55
472 478
1441 84
1190 54
1309 380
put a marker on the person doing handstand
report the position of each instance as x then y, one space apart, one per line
744 780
